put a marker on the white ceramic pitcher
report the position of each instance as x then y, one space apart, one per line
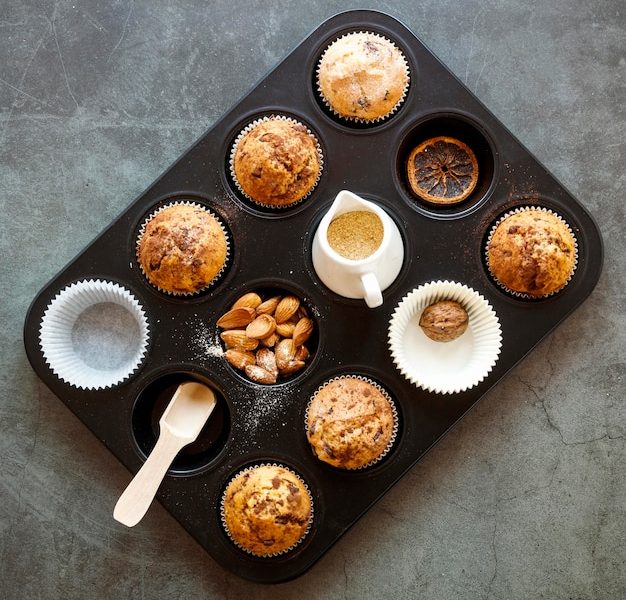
365 278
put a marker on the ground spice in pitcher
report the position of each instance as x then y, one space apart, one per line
355 235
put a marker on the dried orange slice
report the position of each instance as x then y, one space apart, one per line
442 170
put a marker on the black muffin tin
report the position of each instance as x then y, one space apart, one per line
271 250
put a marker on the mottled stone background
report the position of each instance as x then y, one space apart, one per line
525 499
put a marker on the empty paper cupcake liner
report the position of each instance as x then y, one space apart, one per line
247 129
383 391
219 274
94 334
522 295
445 367
360 120
223 516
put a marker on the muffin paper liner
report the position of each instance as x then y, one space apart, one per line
522 295
142 230
394 410
223 517
247 129
57 326
381 118
445 367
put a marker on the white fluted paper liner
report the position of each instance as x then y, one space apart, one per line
273 554
247 129
142 230
450 367
520 209
392 404
352 119
56 335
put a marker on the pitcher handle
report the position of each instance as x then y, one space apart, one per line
371 290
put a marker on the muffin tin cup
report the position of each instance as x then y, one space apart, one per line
247 129
360 120
394 411
84 325
520 295
272 554
219 274
445 367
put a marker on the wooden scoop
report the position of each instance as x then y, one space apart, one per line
180 424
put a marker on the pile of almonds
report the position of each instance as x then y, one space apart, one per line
266 339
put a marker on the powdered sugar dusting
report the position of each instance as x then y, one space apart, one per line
204 342
267 404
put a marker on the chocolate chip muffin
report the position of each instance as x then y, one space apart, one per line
182 249
532 252
363 76
266 510
350 423
276 162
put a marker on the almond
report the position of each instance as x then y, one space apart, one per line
266 359
261 327
293 366
259 374
302 353
286 308
285 352
270 341
302 312
238 340
239 359
285 329
268 307
236 318
302 331
250 300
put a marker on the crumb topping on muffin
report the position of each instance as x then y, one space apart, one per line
363 76
532 252
277 162
350 423
267 509
182 249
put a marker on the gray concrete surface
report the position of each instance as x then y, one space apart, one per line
526 499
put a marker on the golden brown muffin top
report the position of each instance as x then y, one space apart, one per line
182 249
350 423
363 76
532 252
277 162
267 509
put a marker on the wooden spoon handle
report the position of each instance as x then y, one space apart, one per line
137 497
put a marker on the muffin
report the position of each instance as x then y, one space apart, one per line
442 170
182 249
532 252
266 510
351 423
363 76
276 162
